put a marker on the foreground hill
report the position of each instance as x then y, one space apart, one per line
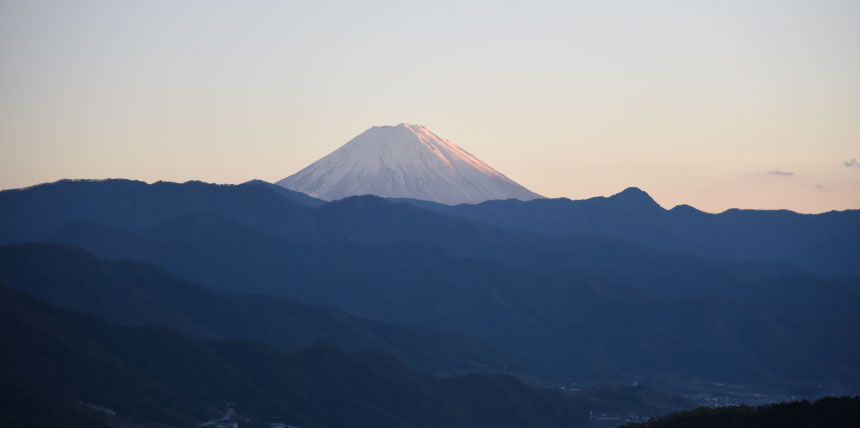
53 358
827 412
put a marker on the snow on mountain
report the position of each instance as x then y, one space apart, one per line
404 161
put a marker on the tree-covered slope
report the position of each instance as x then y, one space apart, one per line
157 375
136 293
830 412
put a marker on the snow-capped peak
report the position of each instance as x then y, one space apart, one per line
404 161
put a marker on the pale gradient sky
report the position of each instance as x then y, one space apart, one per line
692 101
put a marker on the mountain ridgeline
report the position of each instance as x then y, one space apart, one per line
820 243
606 290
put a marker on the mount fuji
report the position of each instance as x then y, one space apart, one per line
404 161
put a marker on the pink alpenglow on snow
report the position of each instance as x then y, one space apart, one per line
405 161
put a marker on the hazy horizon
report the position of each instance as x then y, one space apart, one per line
748 105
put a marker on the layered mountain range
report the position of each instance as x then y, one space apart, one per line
553 306
405 311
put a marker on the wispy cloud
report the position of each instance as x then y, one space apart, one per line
851 163
780 173
823 187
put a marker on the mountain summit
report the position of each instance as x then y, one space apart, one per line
404 161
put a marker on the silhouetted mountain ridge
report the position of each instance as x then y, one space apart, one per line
821 243
299 197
